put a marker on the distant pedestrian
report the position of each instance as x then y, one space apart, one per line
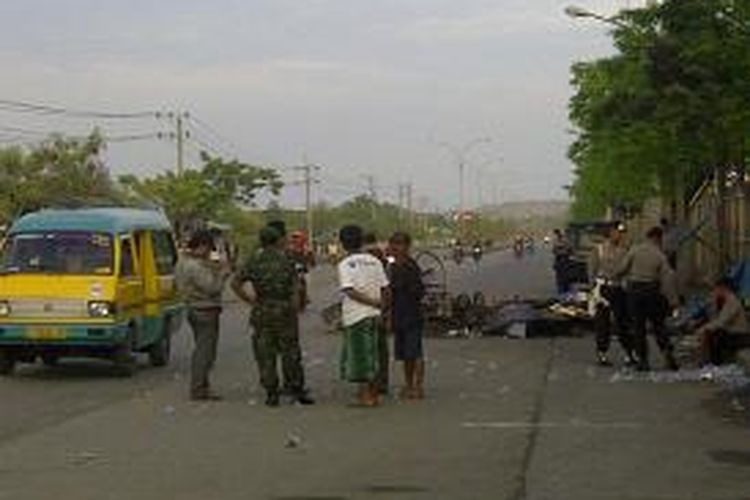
275 305
372 246
298 249
200 282
407 292
649 278
612 317
562 253
728 330
362 280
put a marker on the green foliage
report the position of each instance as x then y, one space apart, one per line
59 172
673 103
213 193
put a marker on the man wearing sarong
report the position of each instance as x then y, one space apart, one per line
362 280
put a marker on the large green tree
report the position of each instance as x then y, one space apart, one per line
59 172
671 105
215 192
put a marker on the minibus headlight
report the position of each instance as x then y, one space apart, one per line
4 308
101 309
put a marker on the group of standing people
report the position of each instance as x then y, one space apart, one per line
638 287
381 290
382 293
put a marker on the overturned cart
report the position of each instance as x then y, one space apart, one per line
470 315
474 315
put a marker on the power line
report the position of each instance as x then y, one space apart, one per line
212 131
44 109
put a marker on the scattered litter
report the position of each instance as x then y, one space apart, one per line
492 366
730 375
169 410
553 377
591 372
83 458
470 371
737 405
252 402
517 331
293 440
434 364
472 362
502 391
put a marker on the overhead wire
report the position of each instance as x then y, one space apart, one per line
212 131
14 106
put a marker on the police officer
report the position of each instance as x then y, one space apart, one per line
274 317
648 276
611 317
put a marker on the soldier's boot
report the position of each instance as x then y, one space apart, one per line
670 362
272 399
303 397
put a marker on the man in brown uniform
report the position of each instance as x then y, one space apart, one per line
648 274
613 316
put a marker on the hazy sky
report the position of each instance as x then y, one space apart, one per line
358 86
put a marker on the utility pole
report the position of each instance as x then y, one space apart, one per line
308 180
401 198
409 204
179 136
180 146
461 189
373 193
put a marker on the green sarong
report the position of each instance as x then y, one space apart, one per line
359 355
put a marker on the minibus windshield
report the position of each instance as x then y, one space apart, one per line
59 252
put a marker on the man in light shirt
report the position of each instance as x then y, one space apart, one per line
362 281
200 283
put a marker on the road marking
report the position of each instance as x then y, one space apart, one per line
549 425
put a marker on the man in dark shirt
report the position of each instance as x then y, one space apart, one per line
407 291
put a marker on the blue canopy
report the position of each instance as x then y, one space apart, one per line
101 220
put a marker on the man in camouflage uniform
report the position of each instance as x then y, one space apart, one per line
274 317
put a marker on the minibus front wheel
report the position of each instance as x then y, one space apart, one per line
123 358
7 362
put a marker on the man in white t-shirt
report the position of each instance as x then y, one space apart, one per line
362 281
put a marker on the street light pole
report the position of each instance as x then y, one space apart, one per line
577 12
460 154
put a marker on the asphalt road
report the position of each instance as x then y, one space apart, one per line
504 420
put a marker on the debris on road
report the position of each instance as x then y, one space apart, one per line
293 440
83 458
730 375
